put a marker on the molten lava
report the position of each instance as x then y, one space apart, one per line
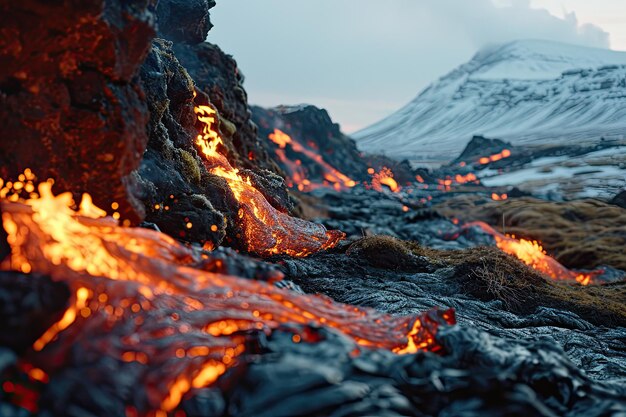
533 255
142 316
266 231
495 157
384 177
499 197
297 172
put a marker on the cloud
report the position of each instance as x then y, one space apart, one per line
363 51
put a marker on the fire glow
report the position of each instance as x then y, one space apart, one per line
332 177
266 231
533 255
138 301
384 177
495 157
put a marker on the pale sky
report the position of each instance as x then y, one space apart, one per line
363 59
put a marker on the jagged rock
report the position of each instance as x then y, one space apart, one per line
70 98
174 185
29 304
186 21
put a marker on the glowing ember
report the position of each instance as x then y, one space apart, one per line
384 177
495 157
138 302
266 231
533 255
298 174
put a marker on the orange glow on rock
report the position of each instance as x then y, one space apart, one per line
266 231
336 179
495 157
385 177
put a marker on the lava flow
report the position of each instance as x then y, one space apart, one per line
331 175
384 177
533 255
495 157
142 316
266 231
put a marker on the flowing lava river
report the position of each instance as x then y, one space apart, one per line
138 301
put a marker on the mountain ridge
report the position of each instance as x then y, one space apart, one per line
526 92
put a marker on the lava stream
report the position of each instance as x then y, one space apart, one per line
266 231
142 316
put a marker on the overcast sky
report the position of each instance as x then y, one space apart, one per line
363 59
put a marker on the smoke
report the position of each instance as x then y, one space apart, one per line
363 59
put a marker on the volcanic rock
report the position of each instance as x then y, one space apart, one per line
312 127
175 187
71 102
480 146
29 304
184 20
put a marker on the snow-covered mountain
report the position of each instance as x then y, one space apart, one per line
526 92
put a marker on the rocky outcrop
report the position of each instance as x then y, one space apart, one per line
71 105
313 128
186 21
174 185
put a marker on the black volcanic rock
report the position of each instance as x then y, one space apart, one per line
71 106
184 20
619 199
174 185
29 304
313 128
5 249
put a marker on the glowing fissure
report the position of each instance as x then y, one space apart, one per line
266 231
137 300
384 177
533 255
332 176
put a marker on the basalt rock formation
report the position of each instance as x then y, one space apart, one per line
69 75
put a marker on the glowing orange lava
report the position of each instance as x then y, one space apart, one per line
332 176
266 231
533 255
139 302
384 177
499 197
495 157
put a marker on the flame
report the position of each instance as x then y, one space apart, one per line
384 177
331 175
533 255
138 300
266 231
495 157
